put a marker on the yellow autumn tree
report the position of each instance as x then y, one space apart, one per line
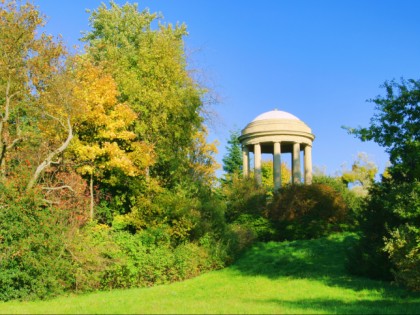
203 164
267 174
150 67
104 140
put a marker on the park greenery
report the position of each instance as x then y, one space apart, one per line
107 180
296 277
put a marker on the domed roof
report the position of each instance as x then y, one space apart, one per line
276 125
275 114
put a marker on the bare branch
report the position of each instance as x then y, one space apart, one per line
47 161
12 145
57 119
59 188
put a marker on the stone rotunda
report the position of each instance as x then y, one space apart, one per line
276 132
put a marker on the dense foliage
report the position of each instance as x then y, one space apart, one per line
32 260
245 208
351 197
390 234
107 178
307 211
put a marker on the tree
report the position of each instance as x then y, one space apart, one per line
268 172
396 127
390 219
149 67
37 106
362 174
104 141
17 41
58 110
232 161
203 164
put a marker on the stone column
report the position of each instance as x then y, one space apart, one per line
245 161
308 164
296 164
257 163
277 165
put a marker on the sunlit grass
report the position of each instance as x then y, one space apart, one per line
282 278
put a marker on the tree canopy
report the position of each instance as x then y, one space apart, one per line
389 246
396 127
150 69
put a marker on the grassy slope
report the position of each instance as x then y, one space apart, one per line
290 277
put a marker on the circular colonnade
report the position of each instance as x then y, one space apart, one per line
276 132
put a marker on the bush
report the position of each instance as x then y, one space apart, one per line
239 238
43 253
187 213
307 211
352 199
146 259
367 258
33 260
243 196
245 213
261 228
403 248
388 233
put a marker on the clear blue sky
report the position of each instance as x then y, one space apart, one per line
317 59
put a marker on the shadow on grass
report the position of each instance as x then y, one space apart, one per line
321 259
385 306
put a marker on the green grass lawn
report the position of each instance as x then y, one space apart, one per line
283 278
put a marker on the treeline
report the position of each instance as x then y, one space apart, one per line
106 176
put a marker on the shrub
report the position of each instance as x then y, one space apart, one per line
261 228
43 252
187 213
212 216
307 211
33 260
243 196
403 248
245 213
352 199
146 259
366 258
92 251
239 238
388 225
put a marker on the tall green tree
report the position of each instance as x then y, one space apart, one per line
396 127
390 242
147 60
150 69
232 161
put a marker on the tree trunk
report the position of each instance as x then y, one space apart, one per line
3 129
92 199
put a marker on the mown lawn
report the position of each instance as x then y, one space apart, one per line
300 277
